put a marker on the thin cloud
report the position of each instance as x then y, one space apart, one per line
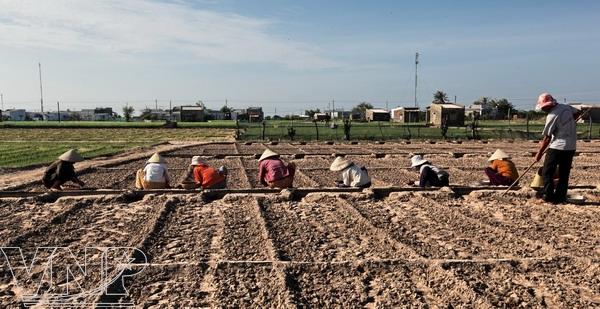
136 27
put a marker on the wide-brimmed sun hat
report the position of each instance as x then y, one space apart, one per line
71 156
545 100
196 160
156 158
339 164
499 155
267 154
417 160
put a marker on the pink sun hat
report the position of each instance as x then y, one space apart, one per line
545 100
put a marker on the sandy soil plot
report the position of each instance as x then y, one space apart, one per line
411 249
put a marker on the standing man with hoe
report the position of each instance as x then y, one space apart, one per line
559 144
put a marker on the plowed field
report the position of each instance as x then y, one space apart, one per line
417 249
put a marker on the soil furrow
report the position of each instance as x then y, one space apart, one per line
245 237
565 232
487 240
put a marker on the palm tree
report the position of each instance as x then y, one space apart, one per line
440 97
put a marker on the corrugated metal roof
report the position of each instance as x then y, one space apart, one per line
449 105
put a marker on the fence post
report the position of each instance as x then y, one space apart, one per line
316 128
590 133
527 121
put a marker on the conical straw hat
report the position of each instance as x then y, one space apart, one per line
339 164
267 154
499 155
71 156
156 158
417 160
537 182
196 160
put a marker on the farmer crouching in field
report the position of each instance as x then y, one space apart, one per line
502 171
352 175
429 175
560 137
154 175
62 171
273 172
201 175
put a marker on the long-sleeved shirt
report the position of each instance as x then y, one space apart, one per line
59 170
505 168
270 170
355 176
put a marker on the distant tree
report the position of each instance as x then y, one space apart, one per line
227 111
361 109
440 97
311 112
127 112
485 101
503 106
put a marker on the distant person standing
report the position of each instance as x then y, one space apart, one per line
62 171
560 137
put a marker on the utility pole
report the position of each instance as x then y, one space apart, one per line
41 92
156 105
2 99
170 111
416 66
58 108
454 99
386 104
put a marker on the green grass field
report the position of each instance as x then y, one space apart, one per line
41 142
22 154
216 124
278 130
31 146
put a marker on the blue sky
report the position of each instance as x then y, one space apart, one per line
293 55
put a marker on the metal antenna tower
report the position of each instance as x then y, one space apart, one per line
41 92
416 66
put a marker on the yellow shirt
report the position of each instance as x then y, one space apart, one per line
505 168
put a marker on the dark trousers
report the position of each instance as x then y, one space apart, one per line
563 159
497 179
430 179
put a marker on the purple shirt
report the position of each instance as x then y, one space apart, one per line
271 170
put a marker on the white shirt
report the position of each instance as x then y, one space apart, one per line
156 172
561 126
354 176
